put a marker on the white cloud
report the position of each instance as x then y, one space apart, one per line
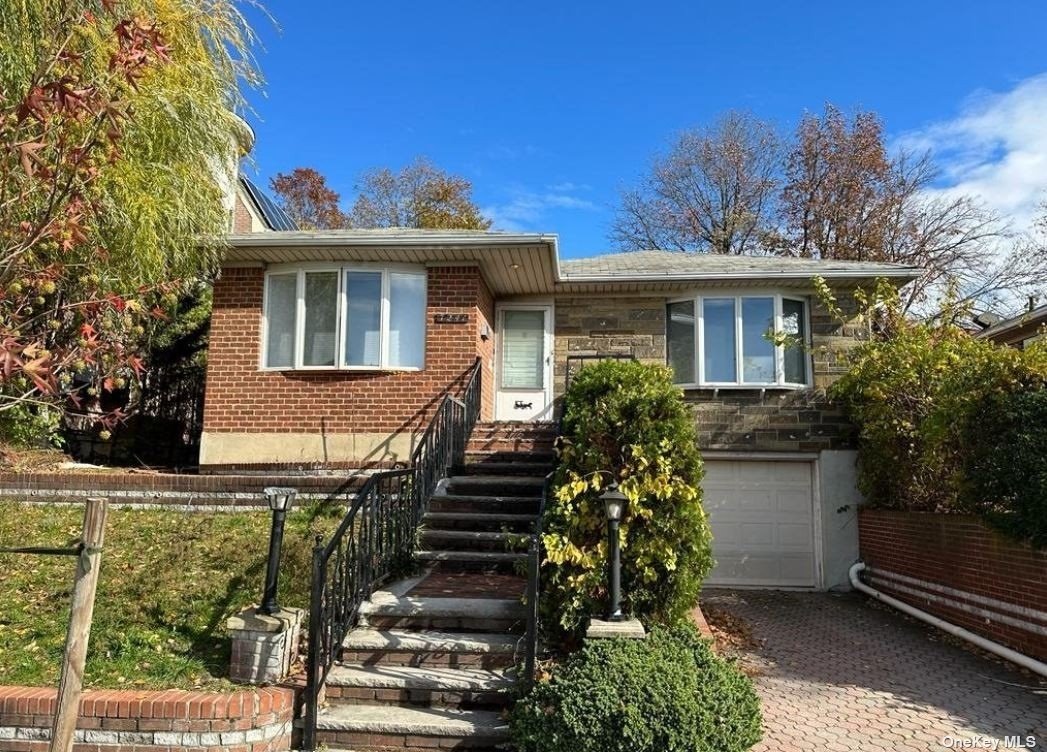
525 210
995 149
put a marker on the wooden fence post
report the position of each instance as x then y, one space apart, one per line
67 707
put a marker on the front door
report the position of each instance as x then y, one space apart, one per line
524 373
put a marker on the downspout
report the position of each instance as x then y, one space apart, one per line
1037 667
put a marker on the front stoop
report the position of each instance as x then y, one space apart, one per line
426 669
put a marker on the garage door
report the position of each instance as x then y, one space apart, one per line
762 516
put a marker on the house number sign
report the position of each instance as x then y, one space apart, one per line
451 318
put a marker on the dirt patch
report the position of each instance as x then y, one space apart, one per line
733 637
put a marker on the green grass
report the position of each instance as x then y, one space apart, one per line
168 582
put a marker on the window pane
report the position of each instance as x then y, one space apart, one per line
718 348
680 339
757 349
321 310
281 301
406 320
363 345
794 323
523 345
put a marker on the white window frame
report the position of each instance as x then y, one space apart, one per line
779 350
300 270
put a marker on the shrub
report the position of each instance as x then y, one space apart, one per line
627 422
663 694
912 394
1006 467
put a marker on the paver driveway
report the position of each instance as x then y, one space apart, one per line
837 672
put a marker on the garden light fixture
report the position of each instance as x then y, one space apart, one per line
614 506
280 501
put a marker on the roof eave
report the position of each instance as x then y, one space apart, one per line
412 240
903 274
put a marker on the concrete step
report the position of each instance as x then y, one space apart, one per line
474 561
508 522
413 685
429 648
364 728
484 503
493 485
485 467
473 540
387 611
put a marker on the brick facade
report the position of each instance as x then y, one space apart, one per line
332 405
772 420
962 555
144 721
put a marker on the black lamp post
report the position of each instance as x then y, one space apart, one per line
614 505
280 500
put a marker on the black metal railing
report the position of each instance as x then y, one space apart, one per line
376 538
534 566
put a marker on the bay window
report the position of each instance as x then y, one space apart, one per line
344 317
735 340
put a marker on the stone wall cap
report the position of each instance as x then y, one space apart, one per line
251 620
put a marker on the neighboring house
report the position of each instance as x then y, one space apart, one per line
1018 332
254 211
331 349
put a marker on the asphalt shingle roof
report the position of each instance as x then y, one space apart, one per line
676 263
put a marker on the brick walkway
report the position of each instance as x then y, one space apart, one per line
838 673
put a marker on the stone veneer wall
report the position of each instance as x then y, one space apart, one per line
773 420
147 721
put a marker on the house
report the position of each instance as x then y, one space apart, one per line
1019 331
329 350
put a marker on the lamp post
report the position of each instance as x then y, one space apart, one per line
614 505
280 501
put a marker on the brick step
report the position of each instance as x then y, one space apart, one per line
507 522
493 485
501 455
474 561
484 504
422 686
502 444
540 469
473 540
429 648
380 728
387 611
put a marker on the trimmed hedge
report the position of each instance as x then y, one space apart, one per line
625 421
1006 466
668 693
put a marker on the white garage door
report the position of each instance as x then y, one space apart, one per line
762 516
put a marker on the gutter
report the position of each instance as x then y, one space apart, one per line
902 273
322 239
1037 667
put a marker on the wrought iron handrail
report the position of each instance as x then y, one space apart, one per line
376 538
534 564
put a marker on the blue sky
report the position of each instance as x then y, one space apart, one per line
550 108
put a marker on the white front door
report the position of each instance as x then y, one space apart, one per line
524 369
762 519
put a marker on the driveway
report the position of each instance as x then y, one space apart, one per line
838 672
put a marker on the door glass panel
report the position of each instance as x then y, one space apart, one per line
321 307
281 301
680 336
363 344
757 349
718 348
523 349
406 320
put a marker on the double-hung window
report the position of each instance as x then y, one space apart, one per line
348 317
735 340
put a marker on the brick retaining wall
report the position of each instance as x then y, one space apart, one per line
166 489
961 553
144 721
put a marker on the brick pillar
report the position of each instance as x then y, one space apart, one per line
264 646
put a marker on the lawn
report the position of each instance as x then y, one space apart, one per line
168 582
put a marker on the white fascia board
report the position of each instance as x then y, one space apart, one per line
406 239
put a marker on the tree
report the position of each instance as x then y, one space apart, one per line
116 135
420 195
713 192
846 197
305 196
